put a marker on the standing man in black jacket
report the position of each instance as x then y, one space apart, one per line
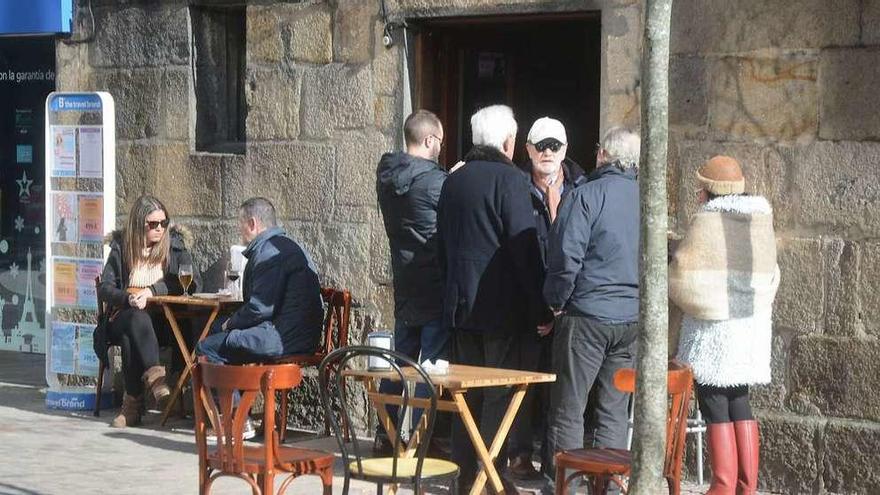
408 188
551 177
592 286
492 264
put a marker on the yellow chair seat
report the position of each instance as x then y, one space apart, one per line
406 468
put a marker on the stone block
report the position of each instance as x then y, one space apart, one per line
773 99
772 396
358 156
352 31
387 65
790 457
336 96
688 85
309 31
297 178
622 39
72 69
619 108
799 302
380 252
848 79
871 22
836 376
341 252
141 35
273 99
189 185
827 187
840 266
387 115
150 103
720 26
851 457
868 287
264 43
211 248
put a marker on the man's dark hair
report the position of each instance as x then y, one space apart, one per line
419 125
261 209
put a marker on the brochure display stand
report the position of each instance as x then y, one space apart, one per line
80 210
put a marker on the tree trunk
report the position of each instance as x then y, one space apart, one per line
649 436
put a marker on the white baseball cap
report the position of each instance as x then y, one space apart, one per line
545 128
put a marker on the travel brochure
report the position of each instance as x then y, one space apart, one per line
72 352
77 151
74 282
77 217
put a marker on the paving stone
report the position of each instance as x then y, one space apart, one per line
848 78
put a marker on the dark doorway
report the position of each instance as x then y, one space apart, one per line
539 65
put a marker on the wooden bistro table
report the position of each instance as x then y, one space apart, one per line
177 306
455 384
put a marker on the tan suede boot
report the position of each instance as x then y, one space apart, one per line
130 414
154 382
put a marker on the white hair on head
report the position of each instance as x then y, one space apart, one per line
491 126
623 146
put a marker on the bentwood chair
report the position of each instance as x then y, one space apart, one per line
607 466
335 335
394 470
228 454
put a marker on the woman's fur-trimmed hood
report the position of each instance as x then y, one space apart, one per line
181 237
746 205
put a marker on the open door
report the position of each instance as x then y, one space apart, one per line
539 65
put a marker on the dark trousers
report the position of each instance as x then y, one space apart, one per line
585 352
531 421
430 340
493 350
134 330
724 404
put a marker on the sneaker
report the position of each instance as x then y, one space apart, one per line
249 431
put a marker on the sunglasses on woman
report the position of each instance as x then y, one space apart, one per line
153 224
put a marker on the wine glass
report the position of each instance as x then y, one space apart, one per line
185 275
232 274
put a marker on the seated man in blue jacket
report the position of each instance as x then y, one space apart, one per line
281 313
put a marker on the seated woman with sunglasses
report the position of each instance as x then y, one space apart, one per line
144 261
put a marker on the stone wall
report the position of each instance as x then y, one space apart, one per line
787 87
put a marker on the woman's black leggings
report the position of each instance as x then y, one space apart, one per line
724 404
134 331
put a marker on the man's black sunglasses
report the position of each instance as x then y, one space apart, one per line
552 145
155 223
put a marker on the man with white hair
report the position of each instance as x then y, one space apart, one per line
592 286
492 265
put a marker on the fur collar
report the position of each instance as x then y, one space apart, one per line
181 237
486 154
746 205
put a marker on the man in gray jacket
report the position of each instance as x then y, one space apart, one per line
592 286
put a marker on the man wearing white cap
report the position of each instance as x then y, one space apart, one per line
551 177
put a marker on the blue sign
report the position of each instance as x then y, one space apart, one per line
75 103
36 16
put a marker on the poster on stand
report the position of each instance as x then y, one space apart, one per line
90 151
91 217
64 273
86 293
65 206
63 151
63 347
86 360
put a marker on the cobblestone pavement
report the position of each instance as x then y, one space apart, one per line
52 452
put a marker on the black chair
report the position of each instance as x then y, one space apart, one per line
381 470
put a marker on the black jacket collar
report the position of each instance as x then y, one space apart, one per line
486 154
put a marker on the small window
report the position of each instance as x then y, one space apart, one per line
219 71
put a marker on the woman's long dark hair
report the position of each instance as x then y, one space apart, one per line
136 232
